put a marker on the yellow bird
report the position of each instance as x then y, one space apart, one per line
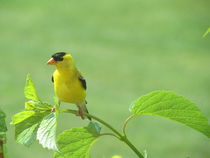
69 84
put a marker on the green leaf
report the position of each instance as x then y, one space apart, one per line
206 33
46 133
2 135
94 128
76 142
26 136
2 114
172 106
37 105
116 156
3 127
30 91
19 117
145 154
26 129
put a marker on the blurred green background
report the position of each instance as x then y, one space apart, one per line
125 48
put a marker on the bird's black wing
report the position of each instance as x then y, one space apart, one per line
83 82
52 79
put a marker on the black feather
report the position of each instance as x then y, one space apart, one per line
52 79
83 82
58 56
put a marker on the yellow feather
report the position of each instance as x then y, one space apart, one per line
67 85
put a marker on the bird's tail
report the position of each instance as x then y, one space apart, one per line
84 109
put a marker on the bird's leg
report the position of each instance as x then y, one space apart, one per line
80 112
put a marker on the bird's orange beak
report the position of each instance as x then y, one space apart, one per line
51 62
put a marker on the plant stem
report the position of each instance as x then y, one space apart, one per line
109 134
118 135
133 147
1 149
125 123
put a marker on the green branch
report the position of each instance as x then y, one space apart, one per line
125 124
117 134
109 134
1 149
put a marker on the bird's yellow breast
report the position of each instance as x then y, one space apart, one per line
68 88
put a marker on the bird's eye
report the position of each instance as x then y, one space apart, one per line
58 56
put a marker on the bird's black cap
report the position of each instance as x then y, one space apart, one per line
58 56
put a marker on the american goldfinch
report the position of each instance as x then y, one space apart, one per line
69 84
